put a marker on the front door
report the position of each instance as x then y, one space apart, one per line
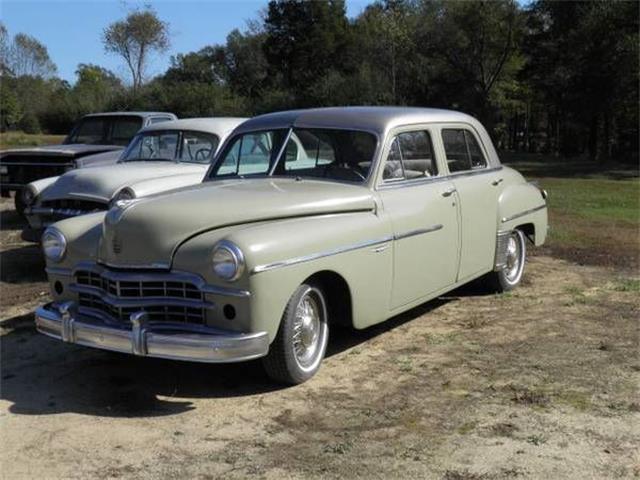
422 207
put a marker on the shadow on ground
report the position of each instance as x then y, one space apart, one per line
42 376
23 264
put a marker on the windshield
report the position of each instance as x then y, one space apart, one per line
342 155
107 130
175 146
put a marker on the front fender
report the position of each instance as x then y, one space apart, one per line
152 186
280 255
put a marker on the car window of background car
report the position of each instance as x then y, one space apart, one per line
308 149
123 129
197 147
250 154
89 131
411 156
150 146
462 150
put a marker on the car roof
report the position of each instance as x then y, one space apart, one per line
374 119
217 125
135 114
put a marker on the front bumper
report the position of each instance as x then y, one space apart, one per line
174 341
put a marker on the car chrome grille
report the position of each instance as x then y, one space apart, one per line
169 299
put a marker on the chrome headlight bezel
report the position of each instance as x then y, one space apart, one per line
54 244
224 254
125 194
29 195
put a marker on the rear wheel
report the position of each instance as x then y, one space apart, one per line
509 277
297 351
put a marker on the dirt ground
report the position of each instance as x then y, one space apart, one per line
539 383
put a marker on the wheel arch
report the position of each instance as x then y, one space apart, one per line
338 296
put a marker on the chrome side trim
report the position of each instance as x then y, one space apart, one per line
436 179
315 256
141 276
63 272
420 231
522 214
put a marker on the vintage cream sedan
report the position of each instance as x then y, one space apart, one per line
307 219
160 157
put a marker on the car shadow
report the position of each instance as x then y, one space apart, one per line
43 376
24 264
10 220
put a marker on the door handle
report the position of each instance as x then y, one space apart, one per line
497 182
448 193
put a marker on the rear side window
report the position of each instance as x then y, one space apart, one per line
411 156
463 150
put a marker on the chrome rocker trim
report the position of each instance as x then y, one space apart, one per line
172 341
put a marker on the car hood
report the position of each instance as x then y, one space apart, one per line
148 231
101 183
72 150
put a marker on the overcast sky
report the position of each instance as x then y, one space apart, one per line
71 30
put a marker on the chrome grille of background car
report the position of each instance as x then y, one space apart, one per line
23 169
84 206
160 293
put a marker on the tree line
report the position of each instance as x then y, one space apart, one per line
551 77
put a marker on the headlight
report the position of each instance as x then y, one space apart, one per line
28 196
228 261
124 194
54 244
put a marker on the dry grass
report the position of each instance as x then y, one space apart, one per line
21 139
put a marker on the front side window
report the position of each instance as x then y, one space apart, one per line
411 156
171 145
341 155
463 150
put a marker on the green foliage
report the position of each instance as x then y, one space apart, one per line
136 38
549 77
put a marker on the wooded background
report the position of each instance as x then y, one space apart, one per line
549 77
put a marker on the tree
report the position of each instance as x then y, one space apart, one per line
135 39
305 41
24 55
95 88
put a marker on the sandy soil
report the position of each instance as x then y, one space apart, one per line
539 383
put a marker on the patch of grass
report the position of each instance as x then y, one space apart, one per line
21 139
405 364
440 338
536 440
463 475
588 217
627 285
473 322
528 396
578 400
340 448
466 428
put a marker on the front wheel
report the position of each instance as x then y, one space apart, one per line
509 277
299 347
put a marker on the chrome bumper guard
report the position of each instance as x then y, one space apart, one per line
150 339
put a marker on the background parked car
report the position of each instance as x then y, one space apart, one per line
160 157
98 133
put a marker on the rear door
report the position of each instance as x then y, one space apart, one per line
475 183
